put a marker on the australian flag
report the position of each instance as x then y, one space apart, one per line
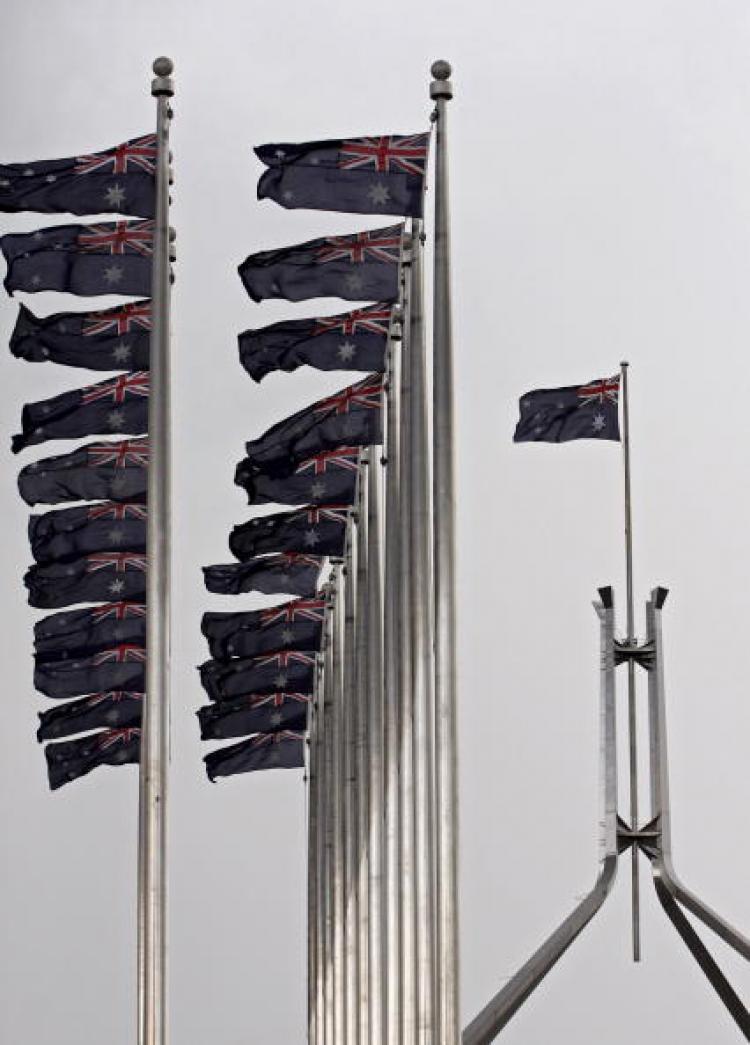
71 532
98 577
349 341
70 759
112 258
108 471
287 670
292 625
557 415
363 266
120 179
330 476
290 573
255 713
321 531
119 667
77 633
110 339
351 417
381 175
117 405
282 750
97 711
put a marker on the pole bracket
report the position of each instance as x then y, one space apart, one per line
643 655
646 838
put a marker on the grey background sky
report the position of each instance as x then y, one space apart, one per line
601 210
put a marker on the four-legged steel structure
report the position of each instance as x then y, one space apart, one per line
653 839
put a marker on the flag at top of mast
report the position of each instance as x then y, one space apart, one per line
558 415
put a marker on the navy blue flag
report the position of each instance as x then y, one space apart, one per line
380 175
351 417
98 577
292 625
111 258
120 667
120 179
289 670
78 633
70 532
255 713
70 759
117 405
353 340
361 267
109 339
98 710
106 471
557 415
321 531
282 750
290 573
332 476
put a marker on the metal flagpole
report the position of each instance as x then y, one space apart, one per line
632 722
443 511
392 682
154 758
319 791
327 797
359 696
312 871
350 783
337 796
420 591
375 739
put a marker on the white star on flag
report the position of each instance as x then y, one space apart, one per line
379 194
115 195
347 351
113 274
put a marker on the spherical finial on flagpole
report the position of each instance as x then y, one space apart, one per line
441 87
441 69
163 66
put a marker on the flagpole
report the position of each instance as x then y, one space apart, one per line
443 510
337 796
632 722
351 784
154 758
359 696
319 792
328 797
312 869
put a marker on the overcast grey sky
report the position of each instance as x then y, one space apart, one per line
601 210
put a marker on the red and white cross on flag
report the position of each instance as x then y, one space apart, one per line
389 152
139 153
262 739
377 245
332 512
110 737
117 611
283 658
113 695
365 394
298 609
117 561
289 559
118 389
118 237
597 391
120 320
346 457
125 653
128 452
258 700
375 319
110 510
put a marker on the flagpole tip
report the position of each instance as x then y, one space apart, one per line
163 66
624 362
441 69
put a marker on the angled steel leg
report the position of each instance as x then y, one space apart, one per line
491 1020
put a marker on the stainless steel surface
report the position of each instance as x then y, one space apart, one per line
154 758
490 1021
337 816
350 712
444 541
362 767
328 796
311 777
632 711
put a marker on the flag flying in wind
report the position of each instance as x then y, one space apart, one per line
119 667
119 179
110 339
557 415
117 405
96 711
292 625
282 750
320 530
70 532
287 670
363 266
112 258
330 476
78 633
379 175
93 578
351 417
255 713
70 759
107 471
290 573
353 340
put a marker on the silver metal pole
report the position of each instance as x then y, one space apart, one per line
359 696
351 784
312 878
420 593
319 792
154 759
632 719
328 797
443 509
392 681
375 740
337 816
